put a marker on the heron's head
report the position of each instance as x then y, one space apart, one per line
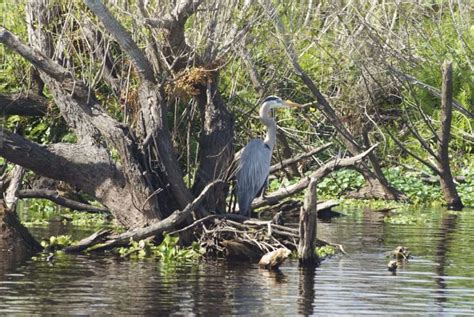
276 102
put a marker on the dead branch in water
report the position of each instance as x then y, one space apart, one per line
167 224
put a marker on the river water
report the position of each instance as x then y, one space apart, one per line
438 280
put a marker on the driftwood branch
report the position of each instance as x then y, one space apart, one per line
95 238
23 105
55 197
321 172
167 224
298 158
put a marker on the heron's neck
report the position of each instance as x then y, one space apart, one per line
270 123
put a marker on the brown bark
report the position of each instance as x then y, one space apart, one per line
14 237
216 145
83 166
307 227
448 186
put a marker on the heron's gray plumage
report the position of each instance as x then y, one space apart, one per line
254 159
252 173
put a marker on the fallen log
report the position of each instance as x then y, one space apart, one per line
168 224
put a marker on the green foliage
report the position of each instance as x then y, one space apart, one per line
168 251
411 184
339 182
40 212
325 251
55 243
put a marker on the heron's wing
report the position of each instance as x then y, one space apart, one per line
252 170
234 166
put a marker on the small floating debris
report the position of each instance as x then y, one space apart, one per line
272 260
401 253
399 256
392 266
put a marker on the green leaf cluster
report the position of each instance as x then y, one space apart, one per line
168 251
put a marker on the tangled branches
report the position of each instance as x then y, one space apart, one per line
248 240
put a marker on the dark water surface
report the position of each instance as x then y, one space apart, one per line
438 280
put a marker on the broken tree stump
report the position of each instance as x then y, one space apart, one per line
307 228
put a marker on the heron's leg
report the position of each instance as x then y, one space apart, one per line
233 199
263 190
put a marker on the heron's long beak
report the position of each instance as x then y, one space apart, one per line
292 104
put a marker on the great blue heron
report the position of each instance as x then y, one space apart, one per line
255 158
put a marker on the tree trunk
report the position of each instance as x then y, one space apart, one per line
307 229
446 178
14 237
215 144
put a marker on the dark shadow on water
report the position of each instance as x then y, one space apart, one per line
11 259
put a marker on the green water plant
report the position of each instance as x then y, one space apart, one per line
325 251
55 243
167 251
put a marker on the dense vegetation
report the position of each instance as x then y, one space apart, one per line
378 64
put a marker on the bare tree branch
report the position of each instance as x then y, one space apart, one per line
23 105
11 194
76 164
298 158
124 38
433 91
55 197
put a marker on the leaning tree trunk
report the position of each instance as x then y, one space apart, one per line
446 178
378 185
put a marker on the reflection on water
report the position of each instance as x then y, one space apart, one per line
438 280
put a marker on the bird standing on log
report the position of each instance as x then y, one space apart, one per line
255 158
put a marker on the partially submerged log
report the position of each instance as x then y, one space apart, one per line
109 241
